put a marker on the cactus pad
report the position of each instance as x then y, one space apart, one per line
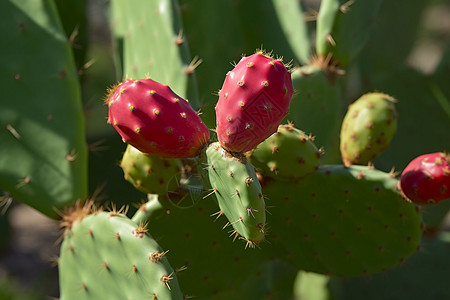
343 221
238 192
107 256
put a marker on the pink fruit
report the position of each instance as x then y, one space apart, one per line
153 119
254 99
426 179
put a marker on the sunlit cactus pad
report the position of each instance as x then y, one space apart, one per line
108 256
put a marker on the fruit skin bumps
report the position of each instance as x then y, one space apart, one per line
426 179
254 99
155 120
368 128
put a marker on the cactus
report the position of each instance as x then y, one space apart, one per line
287 154
336 221
368 128
106 255
238 192
337 34
358 224
317 94
40 112
253 100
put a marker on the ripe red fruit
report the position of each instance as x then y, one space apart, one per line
254 99
153 119
426 179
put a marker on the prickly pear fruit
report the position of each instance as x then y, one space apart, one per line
254 99
155 120
150 173
426 179
368 128
287 154
238 192
105 255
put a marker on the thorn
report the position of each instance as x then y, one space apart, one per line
157 256
345 7
209 194
179 40
250 211
193 65
13 131
217 214
166 280
73 36
234 234
72 156
330 40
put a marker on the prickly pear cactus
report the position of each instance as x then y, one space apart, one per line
216 267
343 221
150 174
43 152
238 192
368 128
317 95
288 154
105 255
337 34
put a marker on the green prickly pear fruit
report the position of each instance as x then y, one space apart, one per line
150 173
287 154
368 128
105 255
238 192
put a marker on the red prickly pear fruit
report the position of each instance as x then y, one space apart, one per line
253 101
426 179
153 119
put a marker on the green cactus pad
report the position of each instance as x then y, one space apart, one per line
238 192
108 256
368 128
424 276
287 154
316 96
217 267
148 173
291 17
154 44
43 152
344 27
343 221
